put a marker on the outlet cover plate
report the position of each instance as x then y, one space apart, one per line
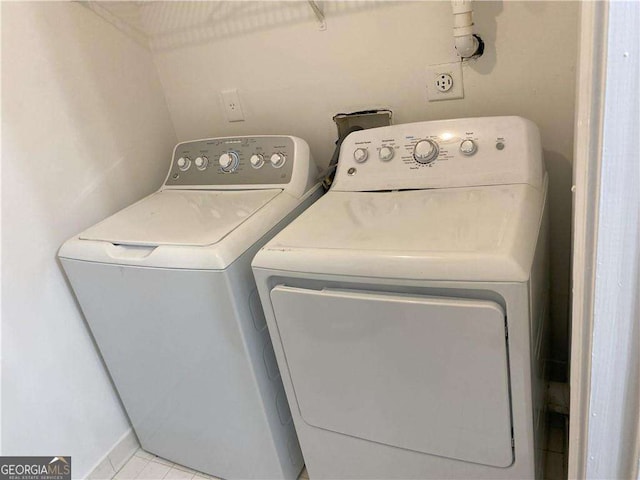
232 106
434 71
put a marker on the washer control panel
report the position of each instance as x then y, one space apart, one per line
259 160
442 154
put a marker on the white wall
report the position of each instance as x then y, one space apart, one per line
85 131
294 78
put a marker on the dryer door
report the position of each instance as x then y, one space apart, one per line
427 374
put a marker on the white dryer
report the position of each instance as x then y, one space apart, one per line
407 306
167 290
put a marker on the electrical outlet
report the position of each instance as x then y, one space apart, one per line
232 106
444 82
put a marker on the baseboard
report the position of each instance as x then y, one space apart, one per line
116 457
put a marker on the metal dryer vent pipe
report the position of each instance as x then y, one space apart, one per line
467 44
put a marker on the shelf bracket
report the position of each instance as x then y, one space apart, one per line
319 14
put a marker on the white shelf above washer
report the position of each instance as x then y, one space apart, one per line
169 25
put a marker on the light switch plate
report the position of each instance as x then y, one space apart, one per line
232 105
434 75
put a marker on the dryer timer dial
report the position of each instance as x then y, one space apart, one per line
425 151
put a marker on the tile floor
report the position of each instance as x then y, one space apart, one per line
556 447
146 466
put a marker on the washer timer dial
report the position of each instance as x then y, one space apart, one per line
228 161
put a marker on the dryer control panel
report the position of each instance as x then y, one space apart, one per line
442 154
252 162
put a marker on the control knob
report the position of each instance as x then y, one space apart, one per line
277 160
228 161
360 155
468 147
257 160
425 151
386 153
184 163
201 162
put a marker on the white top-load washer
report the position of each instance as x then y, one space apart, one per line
167 290
407 306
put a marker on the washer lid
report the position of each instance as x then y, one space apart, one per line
475 234
178 217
